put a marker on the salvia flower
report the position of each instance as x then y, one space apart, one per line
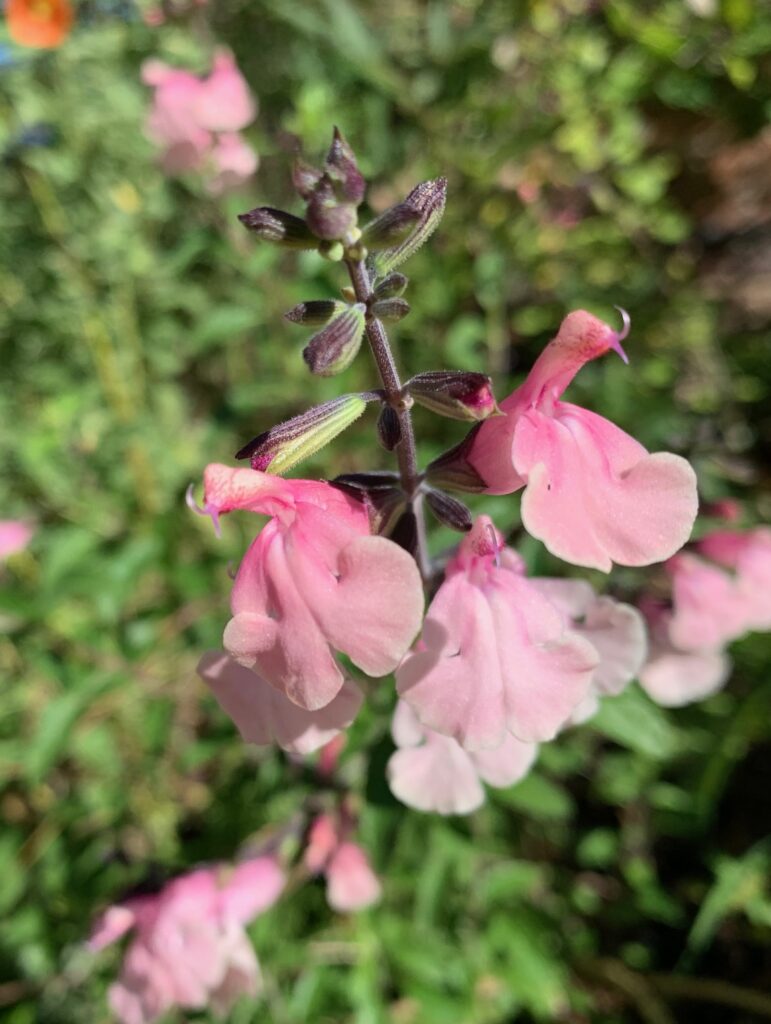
748 556
351 883
593 494
15 535
431 772
189 947
314 582
495 655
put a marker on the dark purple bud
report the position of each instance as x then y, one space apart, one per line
343 171
305 178
391 227
327 217
315 312
459 394
381 495
405 532
453 471
390 310
334 348
283 446
375 480
427 200
279 226
389 429
391 287
449 511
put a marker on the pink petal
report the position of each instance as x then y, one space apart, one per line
224 103
242 973
377 607
322 843
749 555
351 882
572 597
491 451
263 715
234 163
673 678
707 610
111 926
594 496
617 632
506 764
252 887
14 536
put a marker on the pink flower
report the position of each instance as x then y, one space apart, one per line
616 631
674 677
351 882
707 611
431 772
593 494
495 656
312 583
748 555
14 536
195 121
189 948
263 715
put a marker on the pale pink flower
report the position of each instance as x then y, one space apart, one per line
431 772
593 494
495 655
195 121
263 715
14 536
351 882
189 948
616 631
314 582
748 555
674 677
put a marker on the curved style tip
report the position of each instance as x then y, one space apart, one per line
626 323
193 505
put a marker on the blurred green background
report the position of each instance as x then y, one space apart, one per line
598 154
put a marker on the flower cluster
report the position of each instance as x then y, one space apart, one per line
197 122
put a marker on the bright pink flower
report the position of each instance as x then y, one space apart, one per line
314 582
616 631
323 840
171 122
263 715
593 494
748 554
707 610
431 772
224 103
14 536
351 882
190 948
674 677
495 656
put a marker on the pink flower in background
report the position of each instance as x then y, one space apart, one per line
190 948
495 655
593 494
314 582
431 772
707 612
263 715
616 631
15 535
748 556
195 121
351 882
674 677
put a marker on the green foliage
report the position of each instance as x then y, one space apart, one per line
143 337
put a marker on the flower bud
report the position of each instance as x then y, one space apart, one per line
334 348
391 227
390 311
428 201
458 394
279 226
343 171
283 446
305 178
327 217
453 471
392 286
405 531
449 511
389 429
315 312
